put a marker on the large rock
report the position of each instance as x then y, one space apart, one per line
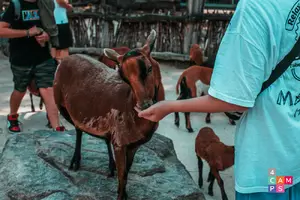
34 166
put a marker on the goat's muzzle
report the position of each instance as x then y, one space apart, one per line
146 104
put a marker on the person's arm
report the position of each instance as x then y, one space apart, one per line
7 20
64 4
204 104
241 64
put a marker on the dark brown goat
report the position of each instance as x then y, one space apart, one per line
218 156
100 101
112 64
187 82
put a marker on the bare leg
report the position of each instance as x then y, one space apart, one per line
15 101
52 111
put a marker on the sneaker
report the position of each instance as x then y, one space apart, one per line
13 123
60 128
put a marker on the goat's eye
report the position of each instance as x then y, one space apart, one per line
149 69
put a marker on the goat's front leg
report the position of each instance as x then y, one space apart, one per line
220 183
200 169
77 154
120 155
31 101
211 179
130 157
112 164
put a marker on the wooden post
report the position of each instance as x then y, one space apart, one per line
188 29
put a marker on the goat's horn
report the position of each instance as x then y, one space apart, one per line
151 39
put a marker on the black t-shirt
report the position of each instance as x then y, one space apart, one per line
25 51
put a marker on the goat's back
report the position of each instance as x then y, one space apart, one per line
195 73
205 137
91 91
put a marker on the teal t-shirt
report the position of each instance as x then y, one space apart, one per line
258 37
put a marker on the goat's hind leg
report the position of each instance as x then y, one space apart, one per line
211 179
112 164
77 153
191 93
200 170
220 183
176 114
31 101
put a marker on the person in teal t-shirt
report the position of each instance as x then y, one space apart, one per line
259 36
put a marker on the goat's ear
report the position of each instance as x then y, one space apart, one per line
113 55
148 47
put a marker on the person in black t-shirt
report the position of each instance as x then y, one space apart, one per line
30 59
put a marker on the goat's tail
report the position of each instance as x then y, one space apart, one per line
179 82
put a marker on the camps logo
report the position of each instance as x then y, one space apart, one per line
276 183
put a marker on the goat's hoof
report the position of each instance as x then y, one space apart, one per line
75 164
207 121
177 123
224 198
210 193
200 184
232 122
123 197
190 130
32 110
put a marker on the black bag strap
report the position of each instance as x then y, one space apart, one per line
282 66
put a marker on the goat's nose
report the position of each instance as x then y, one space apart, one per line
147 104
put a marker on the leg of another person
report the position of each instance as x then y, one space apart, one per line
21 78
44 74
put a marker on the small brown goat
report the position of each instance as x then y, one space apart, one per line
100 101
110 63
196 55
218 156
187 82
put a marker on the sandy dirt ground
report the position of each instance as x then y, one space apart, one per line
184 142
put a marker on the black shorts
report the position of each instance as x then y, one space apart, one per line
64 36
43 74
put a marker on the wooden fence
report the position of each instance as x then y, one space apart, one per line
100 31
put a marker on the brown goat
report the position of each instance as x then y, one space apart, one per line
218 156
110 63
196 55
81 81
187 82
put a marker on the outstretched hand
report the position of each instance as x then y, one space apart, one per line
155 112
